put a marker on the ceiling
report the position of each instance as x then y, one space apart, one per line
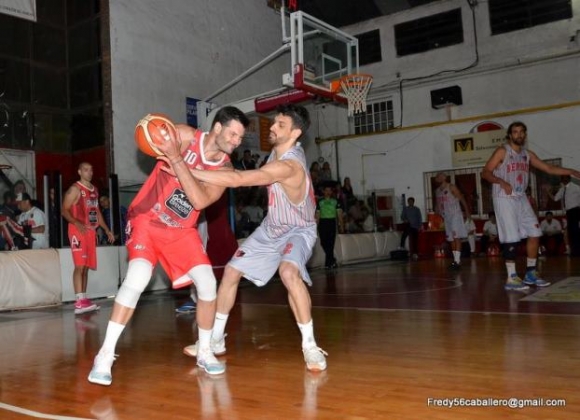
340 13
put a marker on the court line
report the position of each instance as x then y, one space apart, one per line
38 414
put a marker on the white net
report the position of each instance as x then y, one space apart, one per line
356 88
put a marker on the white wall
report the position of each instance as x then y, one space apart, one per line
517 72
163 52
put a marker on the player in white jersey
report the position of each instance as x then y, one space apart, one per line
286 237
449 202
508 169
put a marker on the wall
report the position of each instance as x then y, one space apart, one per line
160 55
528 75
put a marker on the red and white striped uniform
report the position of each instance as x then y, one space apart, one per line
283 215
515 170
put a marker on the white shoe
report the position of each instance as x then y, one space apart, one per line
315 358
207 361
218 347
101 371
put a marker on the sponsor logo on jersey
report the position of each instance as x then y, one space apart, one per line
179 204
287 249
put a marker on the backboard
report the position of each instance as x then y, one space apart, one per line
320 54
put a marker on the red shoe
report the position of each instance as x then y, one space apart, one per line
85 305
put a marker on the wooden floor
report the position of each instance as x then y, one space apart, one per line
401 338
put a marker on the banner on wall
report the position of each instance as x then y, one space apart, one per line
25 9
474 149
191 111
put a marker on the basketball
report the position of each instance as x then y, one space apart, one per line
152 130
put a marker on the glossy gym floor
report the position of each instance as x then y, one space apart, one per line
405 340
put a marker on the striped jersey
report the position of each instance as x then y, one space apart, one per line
162 200
515 170
87 206
283 215
447 204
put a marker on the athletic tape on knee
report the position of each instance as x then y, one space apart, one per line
510 251
205 282
137 278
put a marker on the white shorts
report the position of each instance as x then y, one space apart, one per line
455 227
516 219
259 256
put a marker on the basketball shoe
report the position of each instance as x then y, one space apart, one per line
218 347
85 305
101 372
532 279
315 358
515 283
187 308
207 361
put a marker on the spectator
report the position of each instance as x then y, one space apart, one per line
315 167
18 188
329 218
235 158
32 224
413 223
247 161
470 228
105 204
348 192
489 233
569 194
368 221
255 215
551 228
8 212
325 173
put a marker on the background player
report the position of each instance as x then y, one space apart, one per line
508 169
449 202
80 208
162 228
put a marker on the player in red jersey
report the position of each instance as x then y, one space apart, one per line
162 227
80 208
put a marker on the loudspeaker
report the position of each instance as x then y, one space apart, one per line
447 96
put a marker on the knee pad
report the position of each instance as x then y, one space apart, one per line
138 275
205 282
510 251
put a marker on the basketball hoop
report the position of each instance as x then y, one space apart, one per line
356 88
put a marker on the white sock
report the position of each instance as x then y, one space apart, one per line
80 296
511 269
219 326
307 331
457 256
531 263
114 330
204 337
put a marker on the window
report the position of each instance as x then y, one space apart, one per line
436 31
512 15
378 117
369 47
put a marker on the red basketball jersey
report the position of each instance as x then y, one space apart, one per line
162 200
87 206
